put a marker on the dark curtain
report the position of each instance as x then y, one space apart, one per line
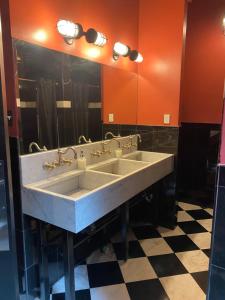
80 109
47 114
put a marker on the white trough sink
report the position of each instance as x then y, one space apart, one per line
76 199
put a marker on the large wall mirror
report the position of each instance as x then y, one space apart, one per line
62 97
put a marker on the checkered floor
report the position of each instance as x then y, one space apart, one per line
163 264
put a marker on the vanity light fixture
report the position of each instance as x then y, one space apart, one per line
121 49
71 31
136 56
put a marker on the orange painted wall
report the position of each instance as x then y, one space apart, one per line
204 71
117 19
160 41
120 92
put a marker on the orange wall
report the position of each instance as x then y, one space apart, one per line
161 43
120 91
204 72
117 19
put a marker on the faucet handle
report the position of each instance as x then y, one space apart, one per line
67 161
49 166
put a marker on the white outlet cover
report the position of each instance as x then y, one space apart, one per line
166 119
111 118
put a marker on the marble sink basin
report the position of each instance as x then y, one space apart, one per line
76 185
119 167
145 156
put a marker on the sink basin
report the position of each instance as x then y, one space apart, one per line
76 185
119 167
144 156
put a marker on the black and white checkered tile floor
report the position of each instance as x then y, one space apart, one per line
163 264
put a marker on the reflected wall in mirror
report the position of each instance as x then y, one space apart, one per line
63 97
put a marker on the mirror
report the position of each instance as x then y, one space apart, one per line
62 97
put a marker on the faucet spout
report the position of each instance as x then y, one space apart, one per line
61 153
82 137
109 133
33 144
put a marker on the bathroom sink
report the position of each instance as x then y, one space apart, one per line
145 156
76 185
119 167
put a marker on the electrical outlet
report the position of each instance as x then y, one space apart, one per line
166 119
111 118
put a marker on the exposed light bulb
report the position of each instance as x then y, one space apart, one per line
101 39
96 38
68 29
139 58
121 49
224 25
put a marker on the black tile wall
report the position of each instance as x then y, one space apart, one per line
217 262
154 138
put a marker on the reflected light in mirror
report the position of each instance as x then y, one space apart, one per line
40 35
93 52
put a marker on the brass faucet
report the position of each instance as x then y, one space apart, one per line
61 161
131 139
109 133
37 147
82 137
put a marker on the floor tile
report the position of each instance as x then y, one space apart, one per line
209 210
146 290
130 236
191 227
181 243
137 269
167 265
80 295
202 240
102 274
202 279
207 224
194 261
182 287
179 208
81 280
156 246
145 232
187 206
207 252
199 214
111 292
98 256
170 232
183 216
135 250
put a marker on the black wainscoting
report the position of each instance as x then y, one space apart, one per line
216 288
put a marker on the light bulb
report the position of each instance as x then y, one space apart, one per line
68 29
121 49
139 58
96 38
100 39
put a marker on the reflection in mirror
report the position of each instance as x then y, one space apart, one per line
65 99
60 98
